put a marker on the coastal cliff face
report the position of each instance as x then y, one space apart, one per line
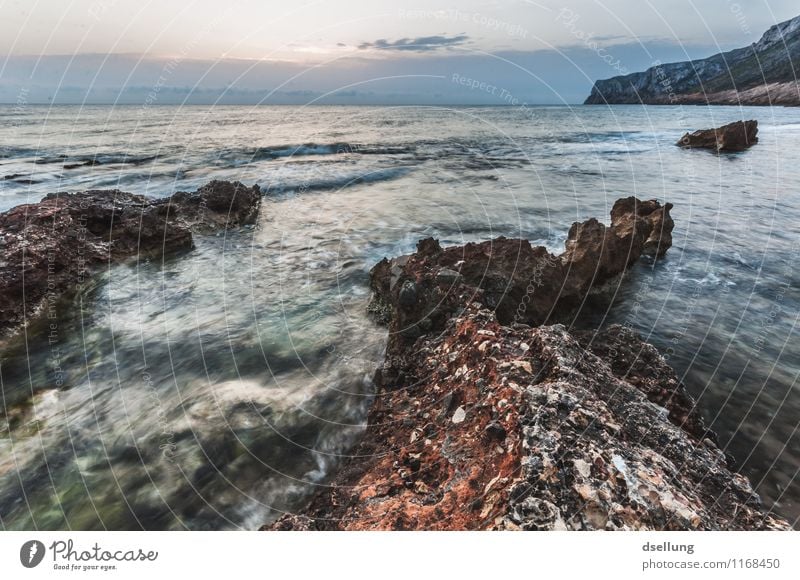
764 73
51 247
489 416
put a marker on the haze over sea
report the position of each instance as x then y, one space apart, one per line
219 390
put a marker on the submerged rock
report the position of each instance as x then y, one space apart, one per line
736 136
491 417
51 247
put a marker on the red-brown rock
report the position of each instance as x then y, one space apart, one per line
484 423
736 136
51 247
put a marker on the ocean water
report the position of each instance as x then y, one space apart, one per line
218 389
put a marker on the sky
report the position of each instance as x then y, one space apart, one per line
354 52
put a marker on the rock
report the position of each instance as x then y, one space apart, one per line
447 276
50 248
760 74
736 136
586 445
588 431
292 523
217 205
495 430
408 295
521 283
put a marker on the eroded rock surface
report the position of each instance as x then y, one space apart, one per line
763 73
417 294
50 247
487 419
736 136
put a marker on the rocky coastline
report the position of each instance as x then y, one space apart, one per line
490 414
51 248
761 74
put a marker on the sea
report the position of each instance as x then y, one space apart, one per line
220 388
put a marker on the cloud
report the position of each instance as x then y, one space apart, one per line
420 44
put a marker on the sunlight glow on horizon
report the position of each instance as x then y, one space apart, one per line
311 29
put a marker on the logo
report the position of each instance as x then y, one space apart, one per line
31 553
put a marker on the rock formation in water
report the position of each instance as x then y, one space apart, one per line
519 282
489 416
764 73
50 247
736 136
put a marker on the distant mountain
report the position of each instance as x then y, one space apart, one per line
764 73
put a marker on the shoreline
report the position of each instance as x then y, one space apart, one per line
488 419
485 399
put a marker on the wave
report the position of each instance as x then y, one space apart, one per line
339 181
319 149
20 178
71 161
116 159
781 127
12 152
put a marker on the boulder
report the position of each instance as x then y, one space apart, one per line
521 283
736 136
51 247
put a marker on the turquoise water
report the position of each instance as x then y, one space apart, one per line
219 388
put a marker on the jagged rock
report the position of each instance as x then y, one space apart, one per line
763 73
218 204
595 439
523 284
51 247
736 136
501 425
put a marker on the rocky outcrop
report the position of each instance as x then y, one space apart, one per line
736 136
50 247
417 294
490 419
763 73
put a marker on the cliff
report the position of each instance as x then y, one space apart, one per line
493 415
764 73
